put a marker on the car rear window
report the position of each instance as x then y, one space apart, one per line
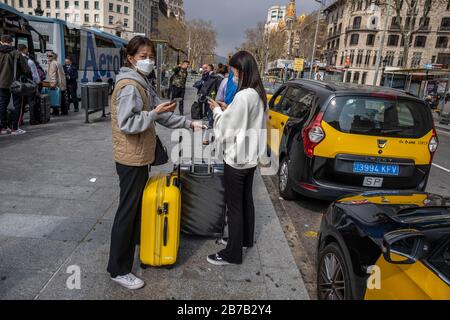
379 117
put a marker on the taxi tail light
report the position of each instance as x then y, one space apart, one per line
433 144
313 134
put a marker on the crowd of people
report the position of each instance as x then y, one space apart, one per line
17 64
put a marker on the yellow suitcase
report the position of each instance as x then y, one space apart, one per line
160 225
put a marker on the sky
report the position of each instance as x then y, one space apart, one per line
232 17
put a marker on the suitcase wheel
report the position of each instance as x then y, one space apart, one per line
170 267
144 267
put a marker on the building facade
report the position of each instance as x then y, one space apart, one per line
175 9
275 16
356 30
123 18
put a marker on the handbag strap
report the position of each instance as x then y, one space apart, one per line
15 67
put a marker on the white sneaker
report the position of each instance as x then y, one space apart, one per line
18 132
4 132
129 281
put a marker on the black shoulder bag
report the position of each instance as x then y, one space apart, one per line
161 156
23 86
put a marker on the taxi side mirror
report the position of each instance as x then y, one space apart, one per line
404 246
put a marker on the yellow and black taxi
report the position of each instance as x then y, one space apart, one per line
334 139
385 245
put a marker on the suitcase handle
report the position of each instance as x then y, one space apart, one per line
166 221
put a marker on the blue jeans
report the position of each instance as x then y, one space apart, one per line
5 97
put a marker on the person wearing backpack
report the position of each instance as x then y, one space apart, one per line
8 57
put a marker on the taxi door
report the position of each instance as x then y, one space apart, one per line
277 120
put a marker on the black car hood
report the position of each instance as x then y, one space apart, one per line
380 212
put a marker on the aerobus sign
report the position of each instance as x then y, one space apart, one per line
97 63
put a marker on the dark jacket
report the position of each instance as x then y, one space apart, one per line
71 74
7 56
212 84
179 77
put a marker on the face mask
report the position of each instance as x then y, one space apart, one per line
145 66
236 80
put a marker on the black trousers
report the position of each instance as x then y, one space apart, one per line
241 212
178 92
126 229
72 97
16 114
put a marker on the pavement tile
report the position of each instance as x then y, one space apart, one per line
272 245
101 232
284 284
49 227
21 285
24 204
34 254
76 208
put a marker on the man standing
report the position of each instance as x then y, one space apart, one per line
31 99
179 83
57 79
72 83
8 57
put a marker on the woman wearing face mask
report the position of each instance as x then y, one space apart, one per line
240 128
135 108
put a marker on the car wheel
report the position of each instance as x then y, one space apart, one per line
333 279
284 181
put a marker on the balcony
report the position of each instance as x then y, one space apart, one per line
425 29
444 29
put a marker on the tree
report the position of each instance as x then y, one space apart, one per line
202 40
265 45
305 31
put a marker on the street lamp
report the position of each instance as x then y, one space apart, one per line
322 3
385 61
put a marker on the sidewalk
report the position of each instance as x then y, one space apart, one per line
52 215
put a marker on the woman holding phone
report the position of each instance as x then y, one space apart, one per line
135 109
240 128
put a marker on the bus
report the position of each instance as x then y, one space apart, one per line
15 24
97 55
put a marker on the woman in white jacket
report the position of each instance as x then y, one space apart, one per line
240 128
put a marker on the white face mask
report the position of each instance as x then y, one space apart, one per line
145 66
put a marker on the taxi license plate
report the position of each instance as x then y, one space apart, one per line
373 182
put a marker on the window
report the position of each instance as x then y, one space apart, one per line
111 7
368 54
352 56
420 41
364 78
66 17
86 18
354 39
441 260
400 59
393 40
357 23
297 102
378 116
97 5
125 10
277 101
416 58
97 18
125 22
349 76
359 57
356 77
370 39
442 42
119 8
395 23
390 58
77 4
86 5
111 20
66 4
